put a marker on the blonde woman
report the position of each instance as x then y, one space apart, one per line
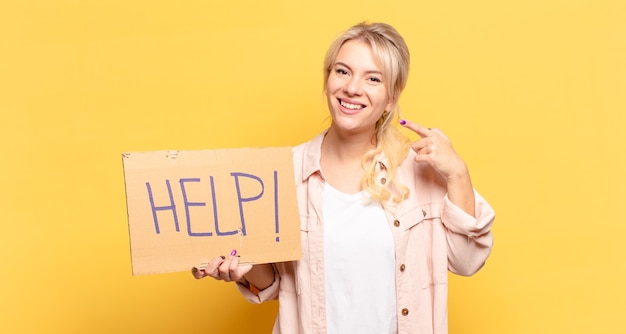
382 219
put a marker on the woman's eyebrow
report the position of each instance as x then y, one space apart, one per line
342 64
367 72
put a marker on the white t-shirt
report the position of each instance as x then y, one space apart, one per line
359 265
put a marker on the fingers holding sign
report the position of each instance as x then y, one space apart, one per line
435 148
222 268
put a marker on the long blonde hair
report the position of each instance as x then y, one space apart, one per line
392 54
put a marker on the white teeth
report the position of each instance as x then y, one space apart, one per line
350 105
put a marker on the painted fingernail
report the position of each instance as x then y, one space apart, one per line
402 122
194 270
233 253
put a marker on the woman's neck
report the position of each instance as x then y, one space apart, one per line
347 147
342 157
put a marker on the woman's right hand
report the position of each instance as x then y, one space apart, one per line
223 268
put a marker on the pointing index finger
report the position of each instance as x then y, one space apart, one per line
417 128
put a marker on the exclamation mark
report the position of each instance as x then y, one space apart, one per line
276 204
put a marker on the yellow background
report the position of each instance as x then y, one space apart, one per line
531 93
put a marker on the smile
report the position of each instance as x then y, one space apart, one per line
350 105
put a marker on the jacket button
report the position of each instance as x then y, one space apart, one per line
396 223
383 180
405 311
402 267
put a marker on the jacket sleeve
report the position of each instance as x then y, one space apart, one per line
469 238
269 293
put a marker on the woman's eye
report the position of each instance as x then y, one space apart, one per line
375 79
341 71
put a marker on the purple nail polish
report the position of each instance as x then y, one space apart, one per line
233 253
402 122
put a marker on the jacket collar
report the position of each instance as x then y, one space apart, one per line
312 156
313 153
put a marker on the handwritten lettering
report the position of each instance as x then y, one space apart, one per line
154 208
248 188
187 205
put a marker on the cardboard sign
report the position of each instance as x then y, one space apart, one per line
186 207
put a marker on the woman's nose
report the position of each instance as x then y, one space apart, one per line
353 86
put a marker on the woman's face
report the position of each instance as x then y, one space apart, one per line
356 92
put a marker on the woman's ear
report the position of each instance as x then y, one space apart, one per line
390 106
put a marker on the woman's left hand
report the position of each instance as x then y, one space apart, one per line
435 148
